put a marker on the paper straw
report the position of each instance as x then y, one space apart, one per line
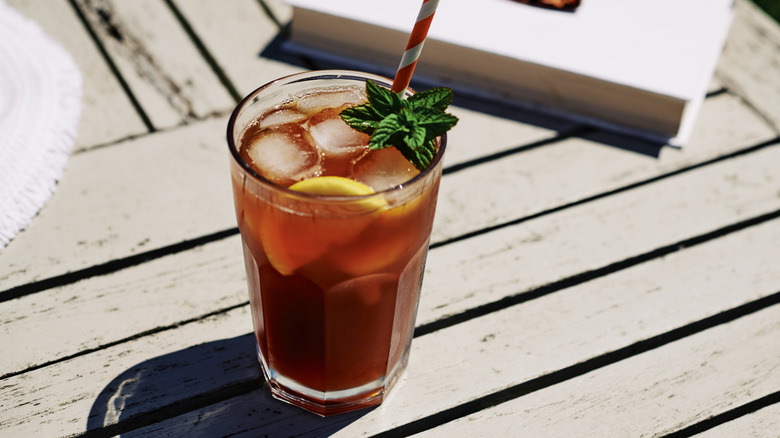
413 48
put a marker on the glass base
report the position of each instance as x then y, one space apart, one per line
333 402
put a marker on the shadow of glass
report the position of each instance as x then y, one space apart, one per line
211 389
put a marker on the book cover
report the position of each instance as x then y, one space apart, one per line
639 67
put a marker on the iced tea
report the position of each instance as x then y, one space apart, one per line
334 281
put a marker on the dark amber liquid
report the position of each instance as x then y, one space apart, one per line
334 291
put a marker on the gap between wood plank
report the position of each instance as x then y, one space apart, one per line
574 132
745 151
244 387
128 339
590 365
213 115
180 407
112 266
283 30
198 43
488 401
725 417
440 324
114 70
204 400
718 92
126 262
586 276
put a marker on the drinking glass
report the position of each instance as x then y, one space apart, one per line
334 281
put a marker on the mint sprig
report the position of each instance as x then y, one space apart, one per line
411 125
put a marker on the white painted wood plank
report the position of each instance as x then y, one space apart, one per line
529 340
152 295
762 423
128 198
576 168
480 134
167 74
118 227
653 394
280 9
107 113
459 276
78 368
519 343
750 64
540 251
67 398
235 33
132 213
568 327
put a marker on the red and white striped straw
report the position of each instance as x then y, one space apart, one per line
413 48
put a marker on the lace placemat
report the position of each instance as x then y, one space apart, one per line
40 105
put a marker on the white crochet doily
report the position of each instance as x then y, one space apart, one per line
40 104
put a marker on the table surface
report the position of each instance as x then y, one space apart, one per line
578 283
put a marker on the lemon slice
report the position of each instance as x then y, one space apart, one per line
332 186
293 241
340 186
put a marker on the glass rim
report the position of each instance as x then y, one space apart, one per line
314 75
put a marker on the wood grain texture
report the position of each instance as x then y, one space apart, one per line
578 280
107 112
536 337
107 184
87 392
750 64
236 33
141 194
460 276
762 423
538 252
653 394
161 293
566 171
529 182
165 72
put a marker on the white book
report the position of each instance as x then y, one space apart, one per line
635 66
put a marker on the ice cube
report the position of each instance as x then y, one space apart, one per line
281 117
334 137
283 154
383 169
335 98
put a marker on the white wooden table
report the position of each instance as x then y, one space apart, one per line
579 283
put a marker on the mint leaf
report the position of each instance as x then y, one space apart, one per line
415 135
363 118
435 122
410 125
423 155
384 101
436 98
383 135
